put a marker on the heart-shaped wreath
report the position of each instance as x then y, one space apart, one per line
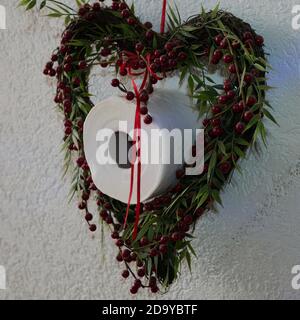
112 36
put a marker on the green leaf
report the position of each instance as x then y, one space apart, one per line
212 164
270 116
188 259
259 67
222 147
239 152
31 4
216 196
215 10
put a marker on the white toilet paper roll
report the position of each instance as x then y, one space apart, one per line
170 110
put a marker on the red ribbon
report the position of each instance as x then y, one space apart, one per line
137 128
163 17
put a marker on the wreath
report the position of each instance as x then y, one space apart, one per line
152 252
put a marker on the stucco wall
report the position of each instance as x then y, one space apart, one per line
245 251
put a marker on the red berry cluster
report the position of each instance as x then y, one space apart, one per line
224 49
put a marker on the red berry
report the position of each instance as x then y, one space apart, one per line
164 240
125 13
153 252
52 73
131 21
126 253
138 283
54 57
139 47
251 101
206 122
163 59
76 81
105 52
248 115
182 56
228 58
223 99
149 35
242 105
82 206
216 109
217 132
148 119
67 103
259 40
227 85
154 67
236 108
225 167
115 6
214 60
163 248
123 72
141 273
119 243
216 122
169 46
80 161
96 6
248 78
232 69
144 111
218 39
130 96
144 97
109 219
82 65
93 228
176 236
172 54
247 35
68 59
218 54
88 217
125 274
119 257
134 290
224 44
144 242
188 219
67 67
154 289
115 82
115 235
239 127
230 94
142 64
68 131
148 25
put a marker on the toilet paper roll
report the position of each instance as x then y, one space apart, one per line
170 110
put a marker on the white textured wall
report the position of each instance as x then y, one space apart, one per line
245 251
